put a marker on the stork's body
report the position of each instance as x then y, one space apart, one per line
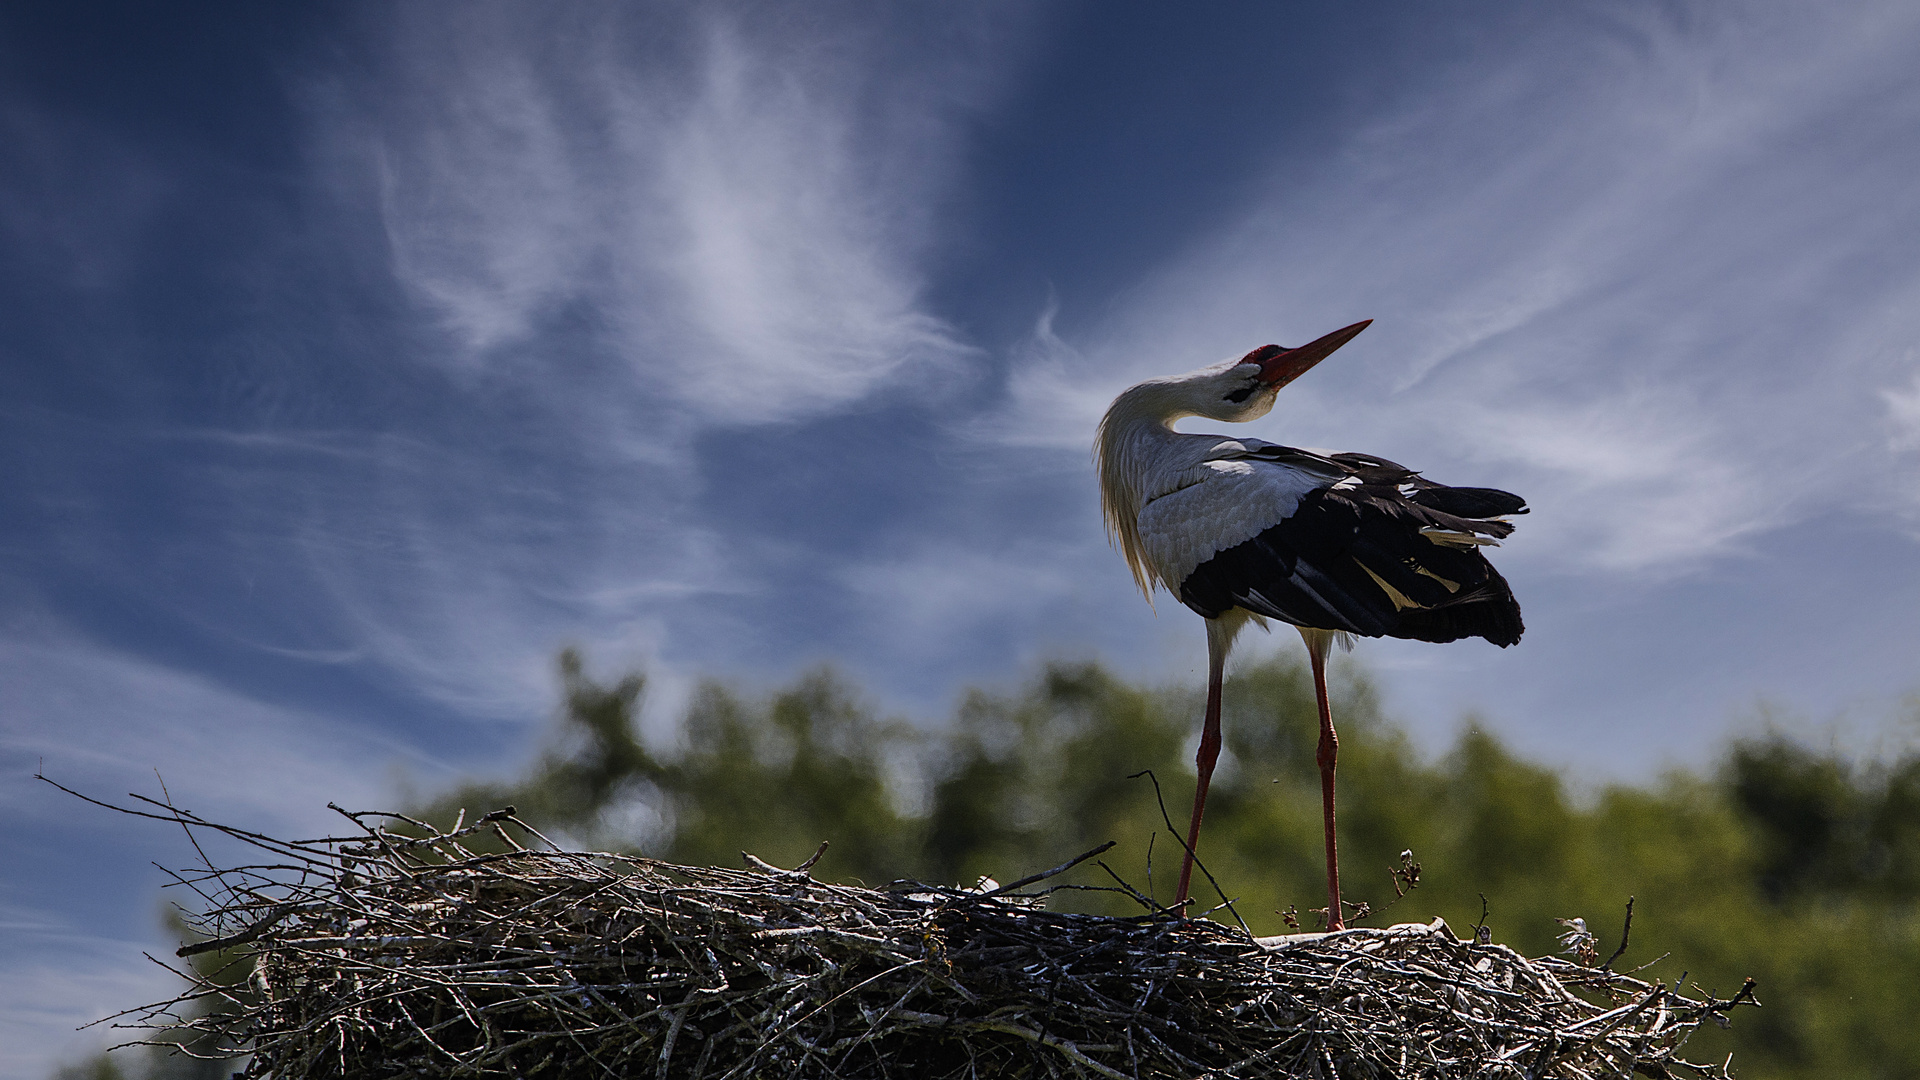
1243 530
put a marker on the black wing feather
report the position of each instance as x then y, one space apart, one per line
1364 559
1470 502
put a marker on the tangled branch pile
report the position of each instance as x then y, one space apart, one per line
382 954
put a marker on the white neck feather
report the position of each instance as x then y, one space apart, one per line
1137 433
1121 452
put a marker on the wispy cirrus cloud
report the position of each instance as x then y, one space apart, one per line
1902 425
727 202
1903 410
127 719
617 228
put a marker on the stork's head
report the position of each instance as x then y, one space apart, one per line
1241 390
1234 391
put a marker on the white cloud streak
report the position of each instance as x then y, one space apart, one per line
741 220
123 719
635 224
1903 438
1903 409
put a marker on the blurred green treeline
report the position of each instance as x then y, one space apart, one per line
1791 865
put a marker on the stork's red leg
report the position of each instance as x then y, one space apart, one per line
1208 754
1328 753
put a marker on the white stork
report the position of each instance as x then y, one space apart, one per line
1336 544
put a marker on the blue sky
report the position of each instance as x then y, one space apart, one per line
356 358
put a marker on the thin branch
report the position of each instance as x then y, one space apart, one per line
1175 833
1625 929
1056 871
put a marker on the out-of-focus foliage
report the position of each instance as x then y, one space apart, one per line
1787 864
99 1067
772 777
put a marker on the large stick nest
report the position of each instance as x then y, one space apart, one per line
383 954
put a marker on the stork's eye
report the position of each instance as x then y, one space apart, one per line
1243 394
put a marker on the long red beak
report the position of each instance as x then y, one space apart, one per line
1279 366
